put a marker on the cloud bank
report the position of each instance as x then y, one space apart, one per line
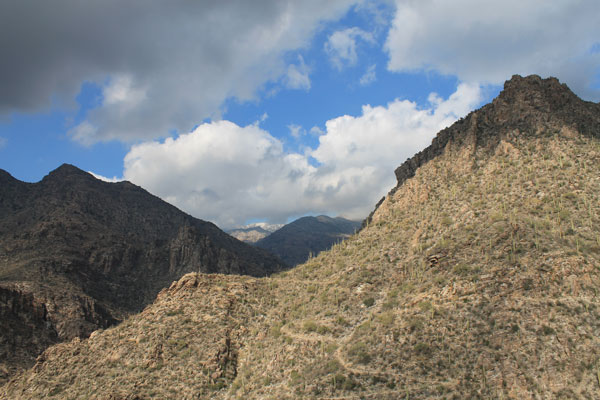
230 174
160 65
487 42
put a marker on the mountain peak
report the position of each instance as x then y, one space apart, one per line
533 83
528 105
67 170
532 103
67 174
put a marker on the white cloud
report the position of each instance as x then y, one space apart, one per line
161 66
221 172
369 76
3 142
341 46
230 174
297 75
487 41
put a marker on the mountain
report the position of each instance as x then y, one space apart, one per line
254 232
78 254
295 242
476 277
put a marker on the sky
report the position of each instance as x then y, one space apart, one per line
241 111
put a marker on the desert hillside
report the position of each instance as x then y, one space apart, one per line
78 254
476 277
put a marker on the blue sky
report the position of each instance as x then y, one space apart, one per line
243 111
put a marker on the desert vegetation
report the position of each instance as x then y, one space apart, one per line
477 277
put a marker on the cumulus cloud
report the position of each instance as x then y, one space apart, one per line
3 142
369 76
341 46
160 65
230 174
222 172
487 42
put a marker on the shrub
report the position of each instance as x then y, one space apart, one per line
358 351
369 301
546 330
295 377
422 348
310 326
343 382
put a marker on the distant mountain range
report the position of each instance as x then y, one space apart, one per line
78 254
254 232
297 241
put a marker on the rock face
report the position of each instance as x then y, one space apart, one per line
90 253
295 242
26 330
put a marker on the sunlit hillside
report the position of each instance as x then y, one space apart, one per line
478 277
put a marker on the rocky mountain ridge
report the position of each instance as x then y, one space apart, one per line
90 253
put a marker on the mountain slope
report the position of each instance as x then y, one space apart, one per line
78 254
295 242
477 277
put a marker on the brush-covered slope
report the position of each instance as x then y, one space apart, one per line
78 254
478 277
305 237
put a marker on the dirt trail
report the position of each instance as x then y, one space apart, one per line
338 353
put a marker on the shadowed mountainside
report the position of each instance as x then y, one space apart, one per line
78 254
295 242
476 277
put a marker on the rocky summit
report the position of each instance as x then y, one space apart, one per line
78 254
476 277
